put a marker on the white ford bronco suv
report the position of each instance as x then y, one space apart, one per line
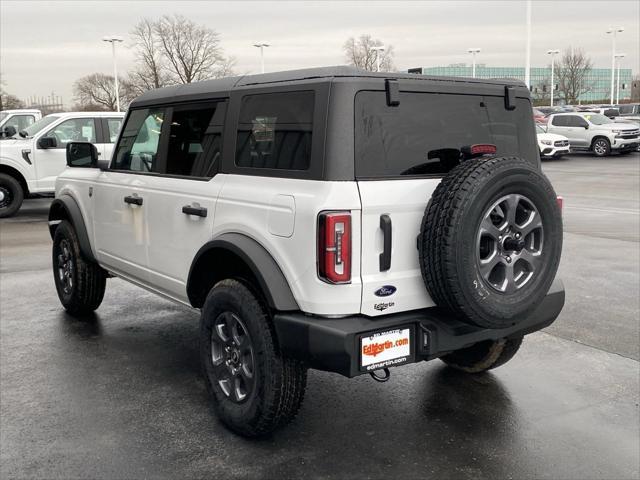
34 156
327 218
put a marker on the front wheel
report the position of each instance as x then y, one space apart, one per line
80 283
11 195
601 147
483 356
255 389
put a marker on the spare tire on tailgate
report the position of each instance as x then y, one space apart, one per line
490 241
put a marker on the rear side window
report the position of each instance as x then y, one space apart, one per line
20 122
424 134
195 140
138 148
113 127
275 131
560 121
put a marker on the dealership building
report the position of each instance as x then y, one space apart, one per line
598 79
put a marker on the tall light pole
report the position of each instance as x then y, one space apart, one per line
619 56
473 52
261 46
113 40
378 49
614 31
553 54
527 67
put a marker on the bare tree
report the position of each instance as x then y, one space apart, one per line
150 72
573 71
98 90
360 53
8 101
192 52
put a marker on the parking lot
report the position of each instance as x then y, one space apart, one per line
121 396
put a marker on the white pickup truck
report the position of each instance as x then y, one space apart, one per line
31 160
18 119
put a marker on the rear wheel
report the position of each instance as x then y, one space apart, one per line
11 195
255 389
483 356
601 147
80 283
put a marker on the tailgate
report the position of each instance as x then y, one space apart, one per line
403 202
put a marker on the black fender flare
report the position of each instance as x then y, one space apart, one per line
264 268
65 207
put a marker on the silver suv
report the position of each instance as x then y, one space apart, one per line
595 132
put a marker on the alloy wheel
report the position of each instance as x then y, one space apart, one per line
509 243
65 266
232 357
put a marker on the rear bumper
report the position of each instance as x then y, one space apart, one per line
333 344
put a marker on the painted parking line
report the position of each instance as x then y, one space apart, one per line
606 210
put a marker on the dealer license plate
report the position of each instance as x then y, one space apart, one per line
385 349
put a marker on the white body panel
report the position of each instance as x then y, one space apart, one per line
173 237
405 202
261 208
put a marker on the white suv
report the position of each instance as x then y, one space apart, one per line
595 132
328 218
31 160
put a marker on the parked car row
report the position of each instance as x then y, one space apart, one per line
32 157
590 131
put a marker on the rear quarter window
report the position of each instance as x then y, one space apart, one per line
424 134
275 131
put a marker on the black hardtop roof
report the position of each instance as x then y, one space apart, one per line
222 86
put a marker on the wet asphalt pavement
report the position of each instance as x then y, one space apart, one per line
121 396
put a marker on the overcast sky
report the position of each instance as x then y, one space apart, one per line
45 46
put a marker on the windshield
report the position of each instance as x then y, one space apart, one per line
598 119
539 129
31 130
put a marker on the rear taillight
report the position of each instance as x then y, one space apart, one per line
560 201
334 247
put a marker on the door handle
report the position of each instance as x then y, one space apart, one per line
133 200
385 256
196 210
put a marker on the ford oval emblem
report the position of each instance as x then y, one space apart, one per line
385 291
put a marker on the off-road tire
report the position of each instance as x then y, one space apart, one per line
88 278
483 356
280 382
604 143
14 195
448 232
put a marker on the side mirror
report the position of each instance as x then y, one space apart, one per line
9 131
586 126
47 142
82 154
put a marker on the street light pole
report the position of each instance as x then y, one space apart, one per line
261 47
553 54
378 49
473 52
614 31
527 67
113 40
619 56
